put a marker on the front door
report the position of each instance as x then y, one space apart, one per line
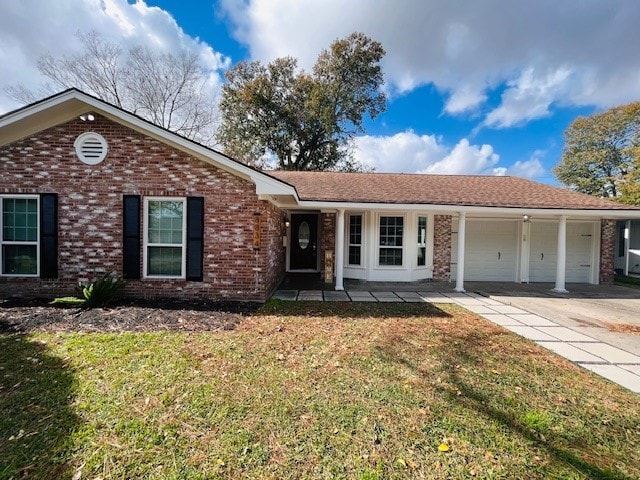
304 241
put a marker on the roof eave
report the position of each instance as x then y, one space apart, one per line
473 210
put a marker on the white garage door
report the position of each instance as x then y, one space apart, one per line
491 250
544 247
579 248
543 251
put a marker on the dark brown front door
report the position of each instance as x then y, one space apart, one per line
304 241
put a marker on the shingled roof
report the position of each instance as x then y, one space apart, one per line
463 190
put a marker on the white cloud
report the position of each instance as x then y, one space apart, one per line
31 28
529 97
465 159
402 152
531 168
464 99
409 152
546 52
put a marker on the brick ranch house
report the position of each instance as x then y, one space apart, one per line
87 188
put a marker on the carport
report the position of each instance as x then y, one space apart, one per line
533 247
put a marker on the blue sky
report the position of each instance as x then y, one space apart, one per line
482 87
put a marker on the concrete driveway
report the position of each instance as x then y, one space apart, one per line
603 312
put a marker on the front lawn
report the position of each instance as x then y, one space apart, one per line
310 390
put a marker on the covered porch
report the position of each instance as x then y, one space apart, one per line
440 249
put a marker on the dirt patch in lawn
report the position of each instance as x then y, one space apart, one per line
37 315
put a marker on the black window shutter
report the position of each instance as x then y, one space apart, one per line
195 238
48 235
131 237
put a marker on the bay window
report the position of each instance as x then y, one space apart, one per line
390 241
355 240
422 241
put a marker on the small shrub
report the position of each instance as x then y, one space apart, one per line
98 293
102 291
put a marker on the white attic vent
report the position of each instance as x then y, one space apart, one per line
91 148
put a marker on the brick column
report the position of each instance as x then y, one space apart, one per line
442 247
327 237
607 250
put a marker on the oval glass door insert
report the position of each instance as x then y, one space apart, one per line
304 234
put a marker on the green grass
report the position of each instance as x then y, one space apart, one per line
627 281
311 390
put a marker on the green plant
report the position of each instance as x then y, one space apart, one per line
101 291
98 293
68 301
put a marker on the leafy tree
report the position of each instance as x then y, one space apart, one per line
601 151
630 189
305 120
170 90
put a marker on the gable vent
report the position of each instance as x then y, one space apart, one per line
91 148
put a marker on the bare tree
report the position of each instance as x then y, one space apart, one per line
170 90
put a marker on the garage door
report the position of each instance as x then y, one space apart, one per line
491 250
543 251
544 247
579 248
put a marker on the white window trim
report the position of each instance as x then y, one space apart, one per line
403 266
362 240
36 243
146 244
426 241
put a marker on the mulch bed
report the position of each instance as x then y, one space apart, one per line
36 315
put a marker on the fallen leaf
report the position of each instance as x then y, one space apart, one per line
443 447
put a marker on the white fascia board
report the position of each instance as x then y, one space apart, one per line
472 210
266 185
24 113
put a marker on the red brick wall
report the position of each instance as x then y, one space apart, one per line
441 247
90 212
327 238
607 250
272 248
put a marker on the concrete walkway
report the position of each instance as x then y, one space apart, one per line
616 364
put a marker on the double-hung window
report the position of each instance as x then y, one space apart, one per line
19 238
390 241
165 237
422 241
355 240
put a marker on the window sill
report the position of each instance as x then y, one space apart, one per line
159 277
8 275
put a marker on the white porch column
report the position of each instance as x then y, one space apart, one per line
339 260
525 250
462 224
562 255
